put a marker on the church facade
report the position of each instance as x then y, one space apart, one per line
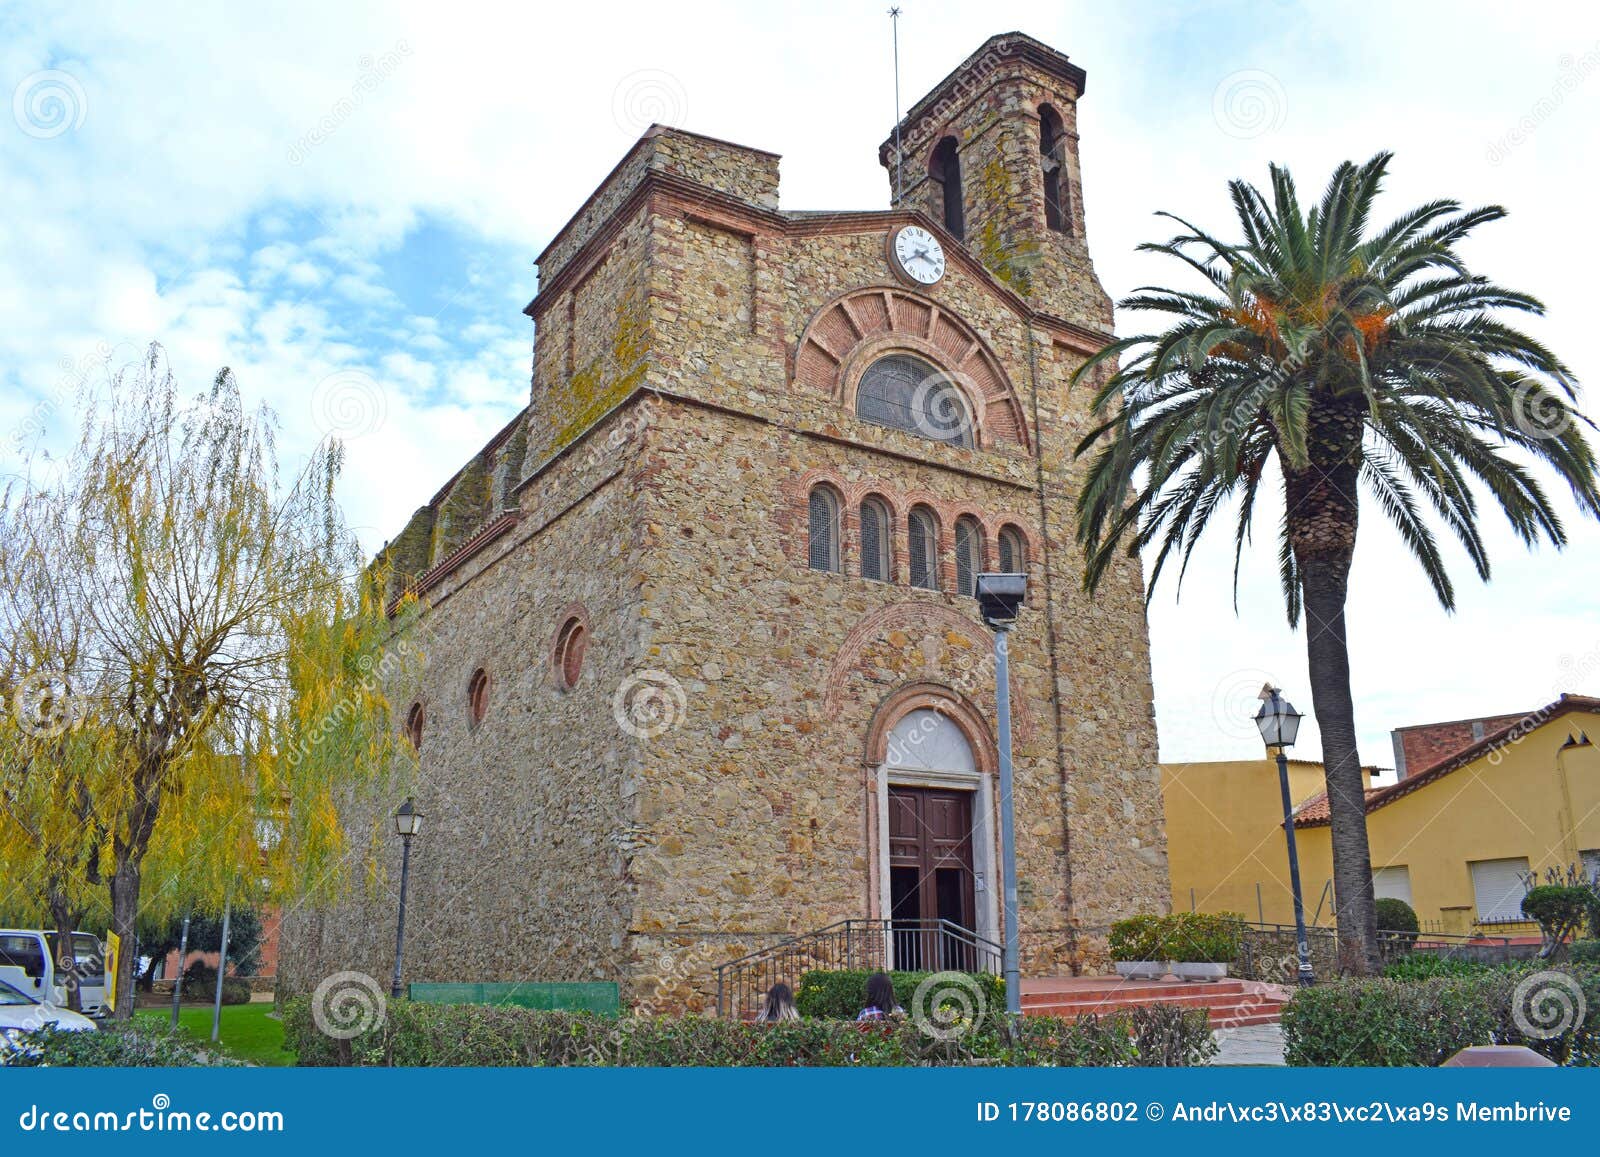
703 669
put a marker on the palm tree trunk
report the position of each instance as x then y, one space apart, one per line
1325 584
1323 516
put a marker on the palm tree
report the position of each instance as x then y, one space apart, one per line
1356 359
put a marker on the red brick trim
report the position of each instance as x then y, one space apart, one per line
573 615
436 574
947 702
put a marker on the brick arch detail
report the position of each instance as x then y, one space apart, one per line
947 701
857 328
920 617
797 493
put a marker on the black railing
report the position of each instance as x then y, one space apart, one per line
856 945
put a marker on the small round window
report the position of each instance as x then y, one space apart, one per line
909 394
570 646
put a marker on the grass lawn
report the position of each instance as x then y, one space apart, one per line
248 1033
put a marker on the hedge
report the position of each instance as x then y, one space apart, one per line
479 1035
1190 937
841 994
1424 1022
113 1046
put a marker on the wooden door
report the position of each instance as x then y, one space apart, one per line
930 876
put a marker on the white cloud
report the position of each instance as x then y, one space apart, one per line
243 180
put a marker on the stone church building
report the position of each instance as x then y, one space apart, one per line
703 669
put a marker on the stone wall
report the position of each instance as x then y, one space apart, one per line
710 784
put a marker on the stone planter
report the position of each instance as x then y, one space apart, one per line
1201 972
1143 969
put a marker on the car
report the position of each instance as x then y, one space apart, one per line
28 961
21 1014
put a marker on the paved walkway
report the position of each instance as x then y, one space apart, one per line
1255 1044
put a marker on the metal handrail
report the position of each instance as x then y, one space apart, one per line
853 944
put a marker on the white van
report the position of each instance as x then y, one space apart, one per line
28 963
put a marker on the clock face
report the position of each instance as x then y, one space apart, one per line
918 254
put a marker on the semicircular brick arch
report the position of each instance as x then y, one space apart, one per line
904 628
879 319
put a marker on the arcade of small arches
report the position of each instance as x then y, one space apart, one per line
873 526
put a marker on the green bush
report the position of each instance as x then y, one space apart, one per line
200 984
1424 1022
841 994
113 1046
1137 938
465 1034
1584 952
1560 910
1190 937
1427 965
1395 915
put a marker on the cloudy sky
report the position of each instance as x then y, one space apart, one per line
342 202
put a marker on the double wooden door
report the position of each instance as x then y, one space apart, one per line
930 877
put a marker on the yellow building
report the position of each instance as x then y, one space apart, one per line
1455 837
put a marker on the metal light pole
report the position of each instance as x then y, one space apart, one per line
999 599
1279 724
407 822
177 981
222 969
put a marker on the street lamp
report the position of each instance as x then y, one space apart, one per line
1279 724
999 602
407 822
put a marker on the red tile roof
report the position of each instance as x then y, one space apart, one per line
1314 812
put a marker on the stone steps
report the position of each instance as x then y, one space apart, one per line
1229 1003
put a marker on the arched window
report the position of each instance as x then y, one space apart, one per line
571 643
909 394
877 546
969 554
1053 160
824 529
414 722
945 167
1013 551
922 534
478 696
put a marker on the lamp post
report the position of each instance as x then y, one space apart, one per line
407 822
1279 724
999 601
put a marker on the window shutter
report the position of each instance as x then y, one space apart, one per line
1498 888
872 537
967 541
921 551
822 531
1392 883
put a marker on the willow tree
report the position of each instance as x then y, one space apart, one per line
1335 358
231 640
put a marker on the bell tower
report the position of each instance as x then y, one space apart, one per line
991 153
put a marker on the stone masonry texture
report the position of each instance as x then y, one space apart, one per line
707 786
